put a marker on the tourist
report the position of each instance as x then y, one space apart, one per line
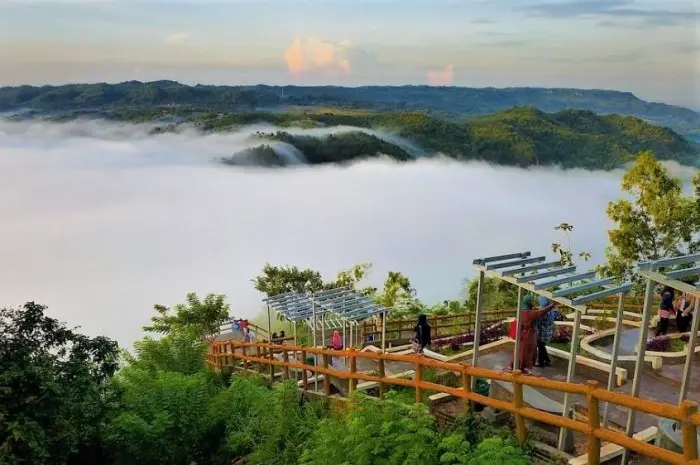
666 310
248 337
421 335
545 331
336 341
684 309
274 337
528 333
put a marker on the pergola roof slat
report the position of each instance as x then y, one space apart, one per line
527 269
566 280
546 274
525 261
583 287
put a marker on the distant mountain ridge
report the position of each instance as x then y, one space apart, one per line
453 103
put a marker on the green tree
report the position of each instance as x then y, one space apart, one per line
54 399
497 295
566 254
657 222
373 432
202 318
353 278
276 280
399 295
166 413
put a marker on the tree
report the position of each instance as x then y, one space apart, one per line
203 318
497 295
353 277
566 254
54 399
276 280
658 222
399 295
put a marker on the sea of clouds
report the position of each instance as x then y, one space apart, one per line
101 221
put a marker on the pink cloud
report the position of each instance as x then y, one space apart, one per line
441 77
308 54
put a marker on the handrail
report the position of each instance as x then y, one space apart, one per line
226 353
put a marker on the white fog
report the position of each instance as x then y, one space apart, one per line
99 222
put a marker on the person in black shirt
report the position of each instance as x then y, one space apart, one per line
421 335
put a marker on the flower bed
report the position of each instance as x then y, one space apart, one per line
666 344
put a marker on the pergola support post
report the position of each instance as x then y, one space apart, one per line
477 323
518 322
639 366
570 375
691 351
615 352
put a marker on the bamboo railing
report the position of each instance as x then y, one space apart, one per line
229 353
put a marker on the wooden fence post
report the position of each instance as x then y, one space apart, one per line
244 351
467 387
690 431
520 431
258 356
418 378
326 378
353 370
285 368
382 374
304 377
594 423
272 367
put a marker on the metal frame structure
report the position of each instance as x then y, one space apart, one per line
662 272
527 272
337 308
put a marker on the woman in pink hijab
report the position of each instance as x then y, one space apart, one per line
336 341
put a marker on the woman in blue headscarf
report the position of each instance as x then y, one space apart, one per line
528 332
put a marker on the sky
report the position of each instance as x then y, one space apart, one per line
105 221
649 47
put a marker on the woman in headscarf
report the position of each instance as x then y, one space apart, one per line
336 341
528 331
421 335
684 309
666 310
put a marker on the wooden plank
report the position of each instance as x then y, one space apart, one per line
611 451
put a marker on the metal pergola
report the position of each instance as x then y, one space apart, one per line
666 272
531 274
330 309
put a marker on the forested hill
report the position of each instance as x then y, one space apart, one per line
454 103
519 137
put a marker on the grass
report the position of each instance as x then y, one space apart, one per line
676 345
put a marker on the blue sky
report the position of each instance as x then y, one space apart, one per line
651 48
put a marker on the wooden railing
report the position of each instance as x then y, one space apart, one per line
441 325
452 324
229 353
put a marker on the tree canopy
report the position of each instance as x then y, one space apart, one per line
657 220
201 317
54 397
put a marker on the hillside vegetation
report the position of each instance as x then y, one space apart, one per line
519 137
448 102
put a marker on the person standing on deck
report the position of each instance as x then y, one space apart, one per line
421 335
528 332
666 310
336 341
545 331
684 309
